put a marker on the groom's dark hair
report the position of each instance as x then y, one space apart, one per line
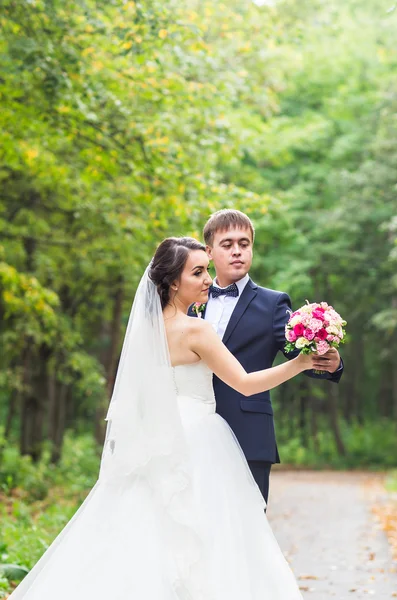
168 263
226 219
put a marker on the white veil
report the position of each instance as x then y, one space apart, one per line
145 438
143 418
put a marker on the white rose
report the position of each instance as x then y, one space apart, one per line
302 342
295 320
333 330
306 309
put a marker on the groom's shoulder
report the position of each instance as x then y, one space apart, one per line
271 295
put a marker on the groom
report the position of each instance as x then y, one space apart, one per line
251 322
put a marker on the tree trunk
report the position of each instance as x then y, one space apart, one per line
314 427
52 405
334 419
31 427
385 395
357 375
30 248
58 395
12 410
34 405
25 424
59 425
394 391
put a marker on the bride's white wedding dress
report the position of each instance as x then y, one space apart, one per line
114 548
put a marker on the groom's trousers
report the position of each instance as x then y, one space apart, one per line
261 472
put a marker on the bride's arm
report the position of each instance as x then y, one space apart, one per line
205 343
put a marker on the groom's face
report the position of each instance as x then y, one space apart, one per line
231 252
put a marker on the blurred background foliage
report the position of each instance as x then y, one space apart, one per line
124 122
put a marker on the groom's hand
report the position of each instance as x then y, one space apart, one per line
329 361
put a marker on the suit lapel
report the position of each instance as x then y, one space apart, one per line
244 301
204 311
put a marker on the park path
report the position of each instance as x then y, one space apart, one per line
325 526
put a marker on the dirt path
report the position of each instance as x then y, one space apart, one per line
327 531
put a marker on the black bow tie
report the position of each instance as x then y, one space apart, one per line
230 290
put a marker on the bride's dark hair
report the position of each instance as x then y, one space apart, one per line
168 263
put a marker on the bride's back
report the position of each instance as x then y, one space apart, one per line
177 330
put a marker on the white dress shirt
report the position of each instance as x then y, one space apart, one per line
220 309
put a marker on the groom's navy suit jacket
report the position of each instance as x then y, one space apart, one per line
255 333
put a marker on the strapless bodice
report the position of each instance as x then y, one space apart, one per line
193 384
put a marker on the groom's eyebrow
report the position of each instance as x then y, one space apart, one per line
243 239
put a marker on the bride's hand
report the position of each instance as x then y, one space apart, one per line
306 361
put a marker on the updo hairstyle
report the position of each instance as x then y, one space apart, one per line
168 263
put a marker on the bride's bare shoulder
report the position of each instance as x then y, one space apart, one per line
196 325
193 328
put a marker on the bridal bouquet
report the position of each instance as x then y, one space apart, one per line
314 328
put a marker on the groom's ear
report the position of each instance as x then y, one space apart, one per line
208 250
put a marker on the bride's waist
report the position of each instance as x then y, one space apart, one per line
192 407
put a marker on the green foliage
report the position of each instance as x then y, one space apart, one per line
29 528
368 445
76 471
38 500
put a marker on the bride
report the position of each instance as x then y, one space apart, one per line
175 513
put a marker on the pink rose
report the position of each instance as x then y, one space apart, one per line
315 325
333 338
308 334
322 334
294 314
318 314
322 347
299 329
290 335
